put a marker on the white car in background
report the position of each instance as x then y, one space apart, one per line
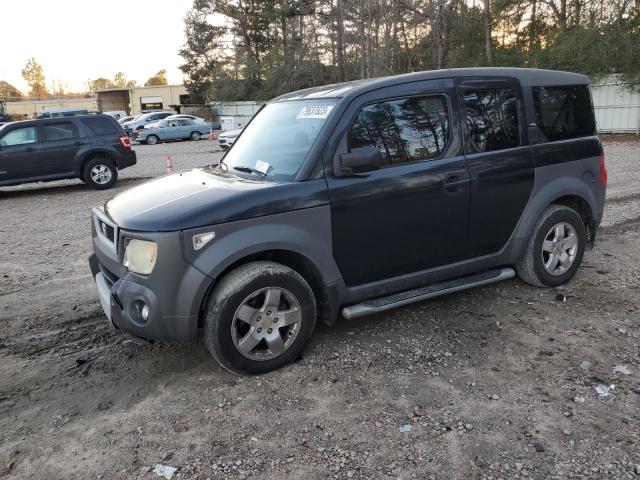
142 120
117 114
226 139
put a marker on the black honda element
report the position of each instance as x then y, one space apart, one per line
374 194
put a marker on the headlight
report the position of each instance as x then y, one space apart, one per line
140 255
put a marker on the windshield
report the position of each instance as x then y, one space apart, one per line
278 139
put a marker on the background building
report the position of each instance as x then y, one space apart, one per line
27 108
135 100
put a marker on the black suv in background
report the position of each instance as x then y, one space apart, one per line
91 147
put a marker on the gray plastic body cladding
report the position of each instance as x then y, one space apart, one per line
576 178
306 232
174 290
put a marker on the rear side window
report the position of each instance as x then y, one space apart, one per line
60 131
564 112
492 118
404 130
102 125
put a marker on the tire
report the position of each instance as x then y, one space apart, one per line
550 259
100 173
152 140
195 136
254 287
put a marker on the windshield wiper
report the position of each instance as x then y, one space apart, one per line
249 170
221 164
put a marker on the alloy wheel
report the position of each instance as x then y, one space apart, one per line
101 174
266 323
559 248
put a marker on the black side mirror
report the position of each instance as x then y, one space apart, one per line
360 159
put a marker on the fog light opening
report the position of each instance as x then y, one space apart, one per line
145 312
140 312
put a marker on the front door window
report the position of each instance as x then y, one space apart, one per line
404 130
19 136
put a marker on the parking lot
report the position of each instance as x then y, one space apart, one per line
497 382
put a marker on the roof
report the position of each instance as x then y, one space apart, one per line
526 77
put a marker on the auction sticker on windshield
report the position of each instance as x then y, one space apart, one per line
262 167
318 111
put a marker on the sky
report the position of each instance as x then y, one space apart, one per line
78 40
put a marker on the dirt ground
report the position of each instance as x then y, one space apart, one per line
497 382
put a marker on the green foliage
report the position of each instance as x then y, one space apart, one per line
33 74
255 50
159 78
7 90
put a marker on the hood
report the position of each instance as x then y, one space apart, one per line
231 133
204 196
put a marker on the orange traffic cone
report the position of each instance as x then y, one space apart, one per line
169 168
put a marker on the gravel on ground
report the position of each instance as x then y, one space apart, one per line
496 382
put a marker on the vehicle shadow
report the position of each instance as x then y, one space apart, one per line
62 188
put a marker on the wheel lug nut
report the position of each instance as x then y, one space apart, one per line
270 330
259 318
268 312
275 320
259 330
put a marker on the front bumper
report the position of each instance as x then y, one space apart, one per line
173 292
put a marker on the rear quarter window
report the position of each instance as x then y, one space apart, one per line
564 112
102 125
60 131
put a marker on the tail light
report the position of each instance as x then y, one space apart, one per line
603 171
126 142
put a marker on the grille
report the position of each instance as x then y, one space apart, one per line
106 231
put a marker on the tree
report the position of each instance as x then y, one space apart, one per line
8 90
59 87
120 81
159 78
99 83
34 76
263 48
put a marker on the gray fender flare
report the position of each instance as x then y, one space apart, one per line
234 242
546 195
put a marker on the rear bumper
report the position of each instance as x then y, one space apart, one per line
128 158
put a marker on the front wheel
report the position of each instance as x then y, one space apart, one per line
152 140
555 248
195 136
100 173
259 318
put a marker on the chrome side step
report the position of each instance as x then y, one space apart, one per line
380 304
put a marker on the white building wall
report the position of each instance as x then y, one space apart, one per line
617 107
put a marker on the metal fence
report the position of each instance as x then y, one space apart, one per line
617 107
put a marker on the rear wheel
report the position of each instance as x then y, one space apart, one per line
152 139
259 318
555 249
100 172
195 136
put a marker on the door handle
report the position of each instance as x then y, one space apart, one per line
79 143
31 149
454 183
